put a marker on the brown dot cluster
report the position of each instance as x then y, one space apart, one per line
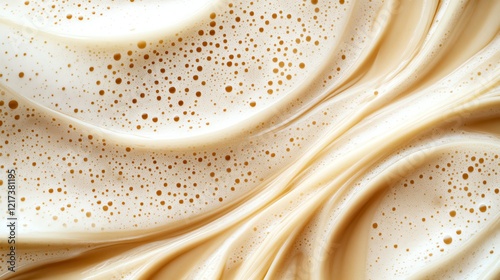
204 77
437 209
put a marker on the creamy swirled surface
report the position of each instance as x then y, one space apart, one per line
251 139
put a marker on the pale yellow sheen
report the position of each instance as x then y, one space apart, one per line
251 139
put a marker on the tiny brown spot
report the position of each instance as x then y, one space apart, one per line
13 104
141 44
447 240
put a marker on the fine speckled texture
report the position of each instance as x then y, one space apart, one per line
250 139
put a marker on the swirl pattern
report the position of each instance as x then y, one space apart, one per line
252 139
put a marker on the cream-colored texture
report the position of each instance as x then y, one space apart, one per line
251 140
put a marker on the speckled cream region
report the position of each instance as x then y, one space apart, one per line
217 139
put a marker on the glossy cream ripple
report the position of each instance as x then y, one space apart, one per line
253 139
84 21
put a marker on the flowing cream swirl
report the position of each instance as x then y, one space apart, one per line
256 139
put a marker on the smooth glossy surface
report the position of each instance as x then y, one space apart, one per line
252 139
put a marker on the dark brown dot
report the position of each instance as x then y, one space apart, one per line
171 90
21 74
117 56
13 104
229 88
